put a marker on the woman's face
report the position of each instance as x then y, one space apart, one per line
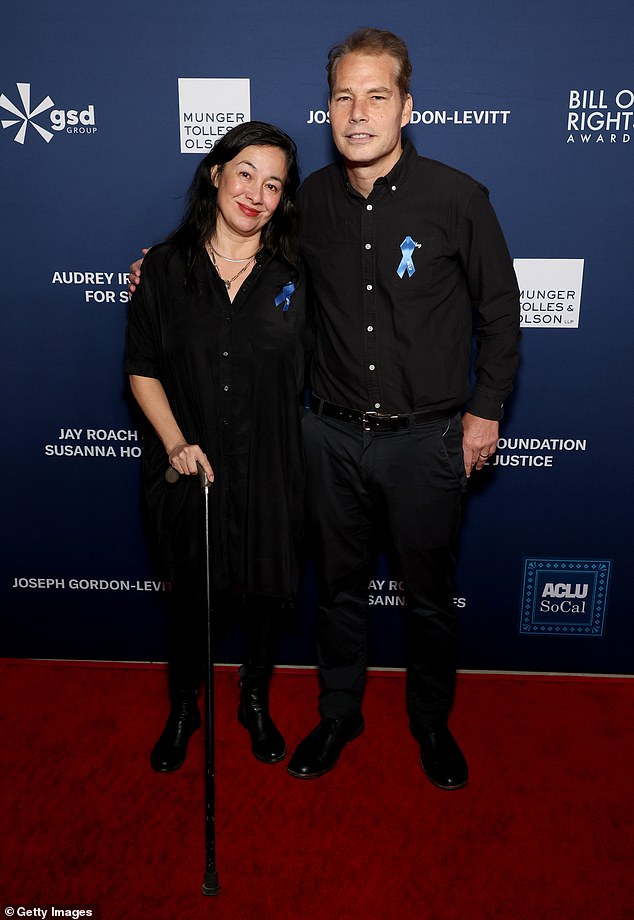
249 189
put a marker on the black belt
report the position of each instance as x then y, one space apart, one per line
375 421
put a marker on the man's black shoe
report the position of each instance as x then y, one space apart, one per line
171 749
319 752
442 760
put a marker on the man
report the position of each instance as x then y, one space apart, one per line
399 250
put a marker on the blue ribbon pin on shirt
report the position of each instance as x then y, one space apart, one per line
406 264
285 296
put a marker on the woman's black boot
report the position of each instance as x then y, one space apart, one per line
267 743
170 750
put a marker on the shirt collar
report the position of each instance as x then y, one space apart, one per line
396 176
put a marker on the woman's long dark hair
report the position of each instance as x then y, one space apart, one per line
279 236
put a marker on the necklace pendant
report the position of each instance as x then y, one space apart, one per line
227 284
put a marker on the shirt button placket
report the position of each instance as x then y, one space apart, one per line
368 222
224 375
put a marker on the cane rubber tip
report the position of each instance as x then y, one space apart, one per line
210 885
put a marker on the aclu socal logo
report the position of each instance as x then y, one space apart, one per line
564 597
71 121
596 116
550 292
208 108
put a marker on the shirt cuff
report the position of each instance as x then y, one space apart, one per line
487 403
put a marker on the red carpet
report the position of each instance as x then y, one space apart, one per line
544 829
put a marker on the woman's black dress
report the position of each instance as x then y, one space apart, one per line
234 377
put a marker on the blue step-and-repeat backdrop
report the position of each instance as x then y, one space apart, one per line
106 109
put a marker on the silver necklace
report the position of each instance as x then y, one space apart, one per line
229 281
227 259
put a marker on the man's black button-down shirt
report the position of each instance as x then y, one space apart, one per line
394 329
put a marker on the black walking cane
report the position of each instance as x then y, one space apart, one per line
210 884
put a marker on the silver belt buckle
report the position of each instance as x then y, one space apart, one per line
366 419
368 416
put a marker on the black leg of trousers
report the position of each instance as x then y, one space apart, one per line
182 538
431 631
262 630
187 633
421 478
340 513
413 479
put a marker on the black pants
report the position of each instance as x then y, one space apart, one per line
184 552
261 619
410 482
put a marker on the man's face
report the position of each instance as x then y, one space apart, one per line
366 111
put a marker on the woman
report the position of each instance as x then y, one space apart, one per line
214 353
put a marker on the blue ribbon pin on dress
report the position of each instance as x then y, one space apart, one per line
406 264
285 296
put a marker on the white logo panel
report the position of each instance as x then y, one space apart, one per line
208 108
550 292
